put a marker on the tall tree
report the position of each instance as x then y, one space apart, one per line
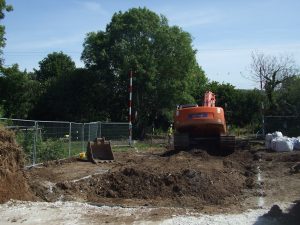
18 92
55 65
3 8
289 95
76 97
161 57
271 72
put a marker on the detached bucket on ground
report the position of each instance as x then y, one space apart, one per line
99 149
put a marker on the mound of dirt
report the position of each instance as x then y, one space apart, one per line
192 179
133 183
13 184
184 187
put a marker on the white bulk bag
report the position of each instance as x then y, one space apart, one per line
282 144
297 143
277 134
268 140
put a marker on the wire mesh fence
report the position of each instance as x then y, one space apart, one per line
50 140
288 125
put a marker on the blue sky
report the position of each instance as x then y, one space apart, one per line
224 32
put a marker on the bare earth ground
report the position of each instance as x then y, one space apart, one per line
157 188
193 180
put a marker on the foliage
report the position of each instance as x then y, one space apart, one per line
76 97
162 59
19 92
225 93
246 109
3 8
55 65
242 107
46 150
288 97
25 140
271 72
50 150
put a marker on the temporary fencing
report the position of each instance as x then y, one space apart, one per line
288 125
50 140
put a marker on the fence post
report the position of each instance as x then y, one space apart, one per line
34 143
263 126
129 110
89 132
263 119
70 133
100 129
82 137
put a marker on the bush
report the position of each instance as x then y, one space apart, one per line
49 150
45 149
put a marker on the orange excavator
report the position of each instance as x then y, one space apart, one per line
202 127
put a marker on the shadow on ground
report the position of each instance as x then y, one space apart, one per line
275 216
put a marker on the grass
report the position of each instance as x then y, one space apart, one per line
138 145
59 148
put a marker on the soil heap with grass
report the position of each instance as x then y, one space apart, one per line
13 184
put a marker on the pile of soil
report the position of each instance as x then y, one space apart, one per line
13 183
200 188
187 179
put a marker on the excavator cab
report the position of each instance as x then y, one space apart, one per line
99 150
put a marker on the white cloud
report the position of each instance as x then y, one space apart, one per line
94 7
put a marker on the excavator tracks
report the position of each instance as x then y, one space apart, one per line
226 144
221 145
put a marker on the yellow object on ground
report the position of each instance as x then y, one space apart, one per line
82 155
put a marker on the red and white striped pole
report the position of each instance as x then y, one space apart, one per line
129 105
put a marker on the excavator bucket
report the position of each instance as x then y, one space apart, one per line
99 150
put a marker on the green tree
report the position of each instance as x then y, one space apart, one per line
225 93
55 65
76 97
288 97
242 107
18 92
246 108
270 72
3 8
162 59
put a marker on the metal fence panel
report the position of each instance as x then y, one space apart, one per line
288 125
116 132
50 140
25 136
76 137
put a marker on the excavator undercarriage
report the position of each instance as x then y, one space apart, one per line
215 145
